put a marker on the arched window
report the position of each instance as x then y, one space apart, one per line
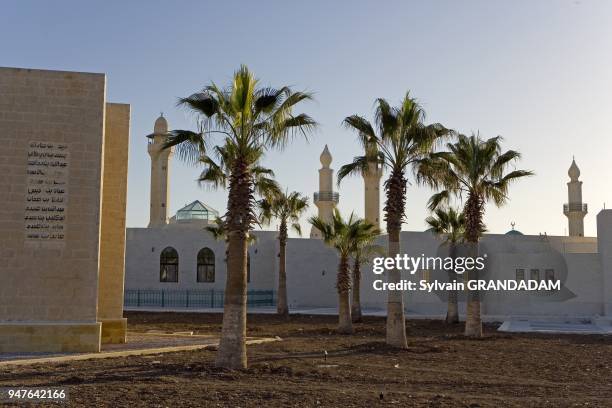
168 265
248 267
206 265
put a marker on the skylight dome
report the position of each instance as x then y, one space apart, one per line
197 211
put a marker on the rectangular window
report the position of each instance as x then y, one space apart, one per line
206 273
549 275
169 273
425 275
520 275
535 274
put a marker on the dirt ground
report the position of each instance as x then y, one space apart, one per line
441 368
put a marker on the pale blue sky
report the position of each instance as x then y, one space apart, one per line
537 73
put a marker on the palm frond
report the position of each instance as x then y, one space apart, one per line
286 207
297 228
358 166
212 173
363 127
188 146
447 223
438 198
200 103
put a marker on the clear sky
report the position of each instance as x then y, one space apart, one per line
539 73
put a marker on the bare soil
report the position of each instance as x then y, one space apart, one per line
440 368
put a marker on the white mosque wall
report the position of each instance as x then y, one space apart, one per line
604 243
144 246
143 249
312 267
264 261
311 270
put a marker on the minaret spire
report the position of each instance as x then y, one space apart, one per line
325 199
371 184
575 210
160 172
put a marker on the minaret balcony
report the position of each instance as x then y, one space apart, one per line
574 207
327 196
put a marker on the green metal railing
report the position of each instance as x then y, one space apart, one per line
191 298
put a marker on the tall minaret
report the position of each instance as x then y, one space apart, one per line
160 170
371 183
575 210
325 199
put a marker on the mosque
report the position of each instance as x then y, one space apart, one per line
177 259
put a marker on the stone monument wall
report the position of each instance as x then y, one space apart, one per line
51 133
112 234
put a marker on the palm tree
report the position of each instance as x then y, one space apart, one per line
344 236
401 141
287 208
450 225
477 168
364 252
242 121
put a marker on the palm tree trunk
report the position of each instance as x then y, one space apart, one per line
394 213
452 314
232 346
356 293
474 208
396 321
345 324
473 322
281 306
